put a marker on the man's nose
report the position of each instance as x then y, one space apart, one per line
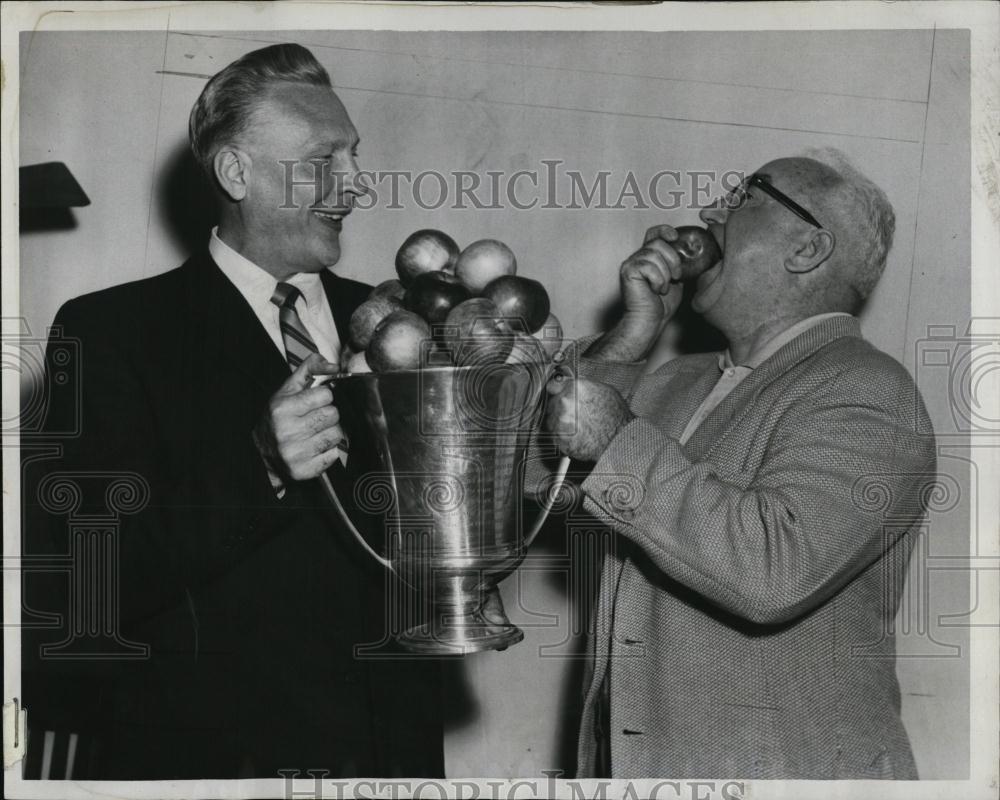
349 182
716 213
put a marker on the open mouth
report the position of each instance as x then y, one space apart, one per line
334 217
708 276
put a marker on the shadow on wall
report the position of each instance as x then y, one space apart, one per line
187 200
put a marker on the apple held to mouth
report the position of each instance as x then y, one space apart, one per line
433 294
482 262
476 334
698 250
367 316
397 342
426 250
518 298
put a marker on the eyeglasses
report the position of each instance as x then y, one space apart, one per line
738 197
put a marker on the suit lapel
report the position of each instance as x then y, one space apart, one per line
711 430
341 306
228 331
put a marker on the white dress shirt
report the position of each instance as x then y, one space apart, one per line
257 287
733 374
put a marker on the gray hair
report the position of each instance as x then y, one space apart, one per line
224 107
871 216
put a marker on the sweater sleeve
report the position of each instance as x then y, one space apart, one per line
801 529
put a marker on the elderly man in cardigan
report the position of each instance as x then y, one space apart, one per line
744 625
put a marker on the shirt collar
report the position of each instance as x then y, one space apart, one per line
255 283
772 346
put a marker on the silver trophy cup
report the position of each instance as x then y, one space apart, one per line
438 460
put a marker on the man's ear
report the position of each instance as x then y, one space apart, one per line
817 249
232 168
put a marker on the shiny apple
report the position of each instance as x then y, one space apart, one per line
482 262
367 316
475 333
523 300
425 250
389 288
433 294
397 342
698 251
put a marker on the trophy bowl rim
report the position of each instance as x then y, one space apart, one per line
342 376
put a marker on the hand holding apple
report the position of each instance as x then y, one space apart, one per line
698 250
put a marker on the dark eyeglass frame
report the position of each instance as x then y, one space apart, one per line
739 196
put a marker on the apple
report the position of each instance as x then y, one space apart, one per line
520 299
425 250
476 334
526 350
482 261
346 354
397 342
389 288
366 316
357 364
433 294
698 251
586 415
550 335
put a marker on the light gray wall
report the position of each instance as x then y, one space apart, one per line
114 107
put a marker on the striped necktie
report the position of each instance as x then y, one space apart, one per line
298 343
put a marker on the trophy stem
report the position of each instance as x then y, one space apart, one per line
459 622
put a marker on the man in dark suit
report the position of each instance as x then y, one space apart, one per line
765 499
200 384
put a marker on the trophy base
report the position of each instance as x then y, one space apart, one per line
463 627
468 637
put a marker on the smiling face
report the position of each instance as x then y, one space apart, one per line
753 284
298 181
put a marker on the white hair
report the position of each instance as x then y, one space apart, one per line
870 212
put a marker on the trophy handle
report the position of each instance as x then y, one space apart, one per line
553 368
331 495
547 507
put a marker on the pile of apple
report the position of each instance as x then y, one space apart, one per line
452 308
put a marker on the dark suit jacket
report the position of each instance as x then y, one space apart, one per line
252 606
